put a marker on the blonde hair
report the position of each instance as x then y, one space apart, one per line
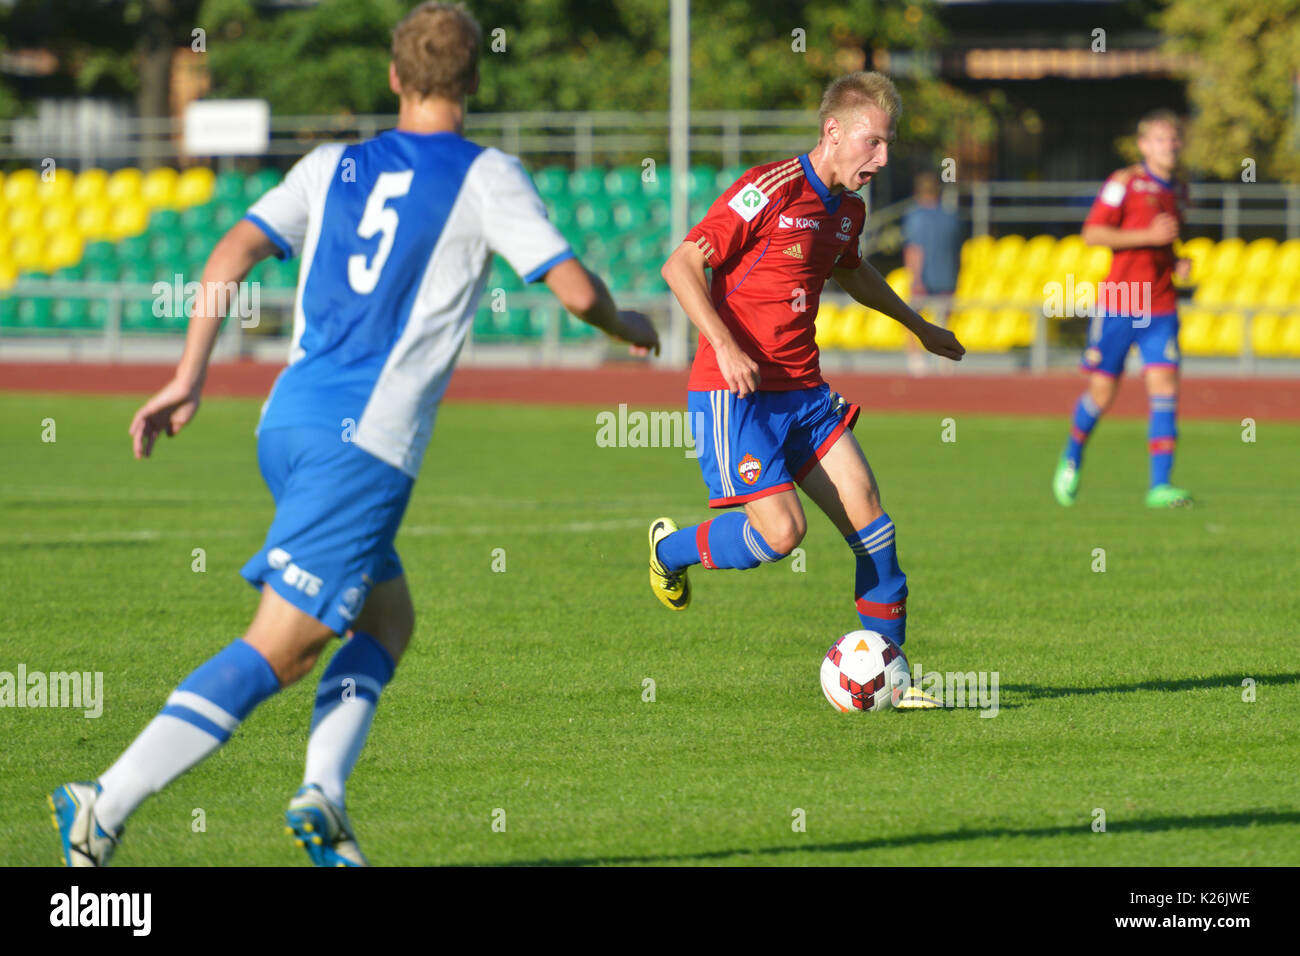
1155 118
849 94
436 49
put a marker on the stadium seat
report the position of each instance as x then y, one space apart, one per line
552 182
1291 336
1037 255
257 185
158 188
1266 331
89 186
1257 258
1225 260
587 183
624 182
124 186
1288 258
194 187
129 218
1006 254
977 253
228 187
20 185
55 185
853 326
825 324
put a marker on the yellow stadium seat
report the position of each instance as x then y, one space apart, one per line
1067 254
1266 334
1257 259
900 280
158 188
1225 259
1037 254
853 330
1196 333
1247 290
23 217
971 326
55 185
883 332
27 251
64 249
21 185
1280 288
128 219
1094 264
1291 335
1023 289
1213 291
1288 257
1229 333
194 187
124 186
90 185
828 317
977 253
1006 254
93 220
967 279
8 273
58 217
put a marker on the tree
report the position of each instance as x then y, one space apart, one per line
1244 84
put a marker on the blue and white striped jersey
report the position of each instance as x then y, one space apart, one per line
396 235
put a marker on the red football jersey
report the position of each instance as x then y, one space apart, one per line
772 240
1131 198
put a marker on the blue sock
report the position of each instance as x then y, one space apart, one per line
880 586
198 717
345 707
1086 414
1162 434
364 662
235 679
727 541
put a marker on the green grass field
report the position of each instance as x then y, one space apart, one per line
523 690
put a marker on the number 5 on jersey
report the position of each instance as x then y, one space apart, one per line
378 219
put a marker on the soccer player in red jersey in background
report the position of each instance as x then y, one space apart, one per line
769 420
1138 213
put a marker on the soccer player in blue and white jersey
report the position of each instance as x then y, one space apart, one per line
395 235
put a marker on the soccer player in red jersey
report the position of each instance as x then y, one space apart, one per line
769 420
1138 213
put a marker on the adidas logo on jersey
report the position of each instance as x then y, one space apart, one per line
795 251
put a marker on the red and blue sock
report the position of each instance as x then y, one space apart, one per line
880 586
1086 414
727 541
1162 434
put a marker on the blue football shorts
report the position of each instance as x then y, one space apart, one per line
337 510
1111 336
764 443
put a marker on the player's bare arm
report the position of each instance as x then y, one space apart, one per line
868 287
585 295
243 247
1162 232
685 275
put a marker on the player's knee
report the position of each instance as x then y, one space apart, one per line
785 536
1103 392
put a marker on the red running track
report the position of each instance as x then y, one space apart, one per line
639 386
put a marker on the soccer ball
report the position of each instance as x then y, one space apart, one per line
864 670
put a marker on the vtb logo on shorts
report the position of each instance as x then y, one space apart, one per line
294 576
749 468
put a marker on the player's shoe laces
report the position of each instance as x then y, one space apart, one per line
1065 483
322 829
85 842
1167 496
671 587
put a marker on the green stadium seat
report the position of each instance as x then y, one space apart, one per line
36 312
166 247
199 219
137 316
561 214
165 220
72 273
226 214
624 182
71 314
8 312
136 271
256 185
527 323
228 186
489 325
552 182
628 214
99 272
592 213
585 183
703 183
726 177
100 254
572 327
134 249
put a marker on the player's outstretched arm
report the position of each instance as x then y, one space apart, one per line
869 287
177 402
684 273
584 294
1162 231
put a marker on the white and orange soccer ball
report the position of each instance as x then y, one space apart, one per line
864 670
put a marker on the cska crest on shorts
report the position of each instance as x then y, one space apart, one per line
750 468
